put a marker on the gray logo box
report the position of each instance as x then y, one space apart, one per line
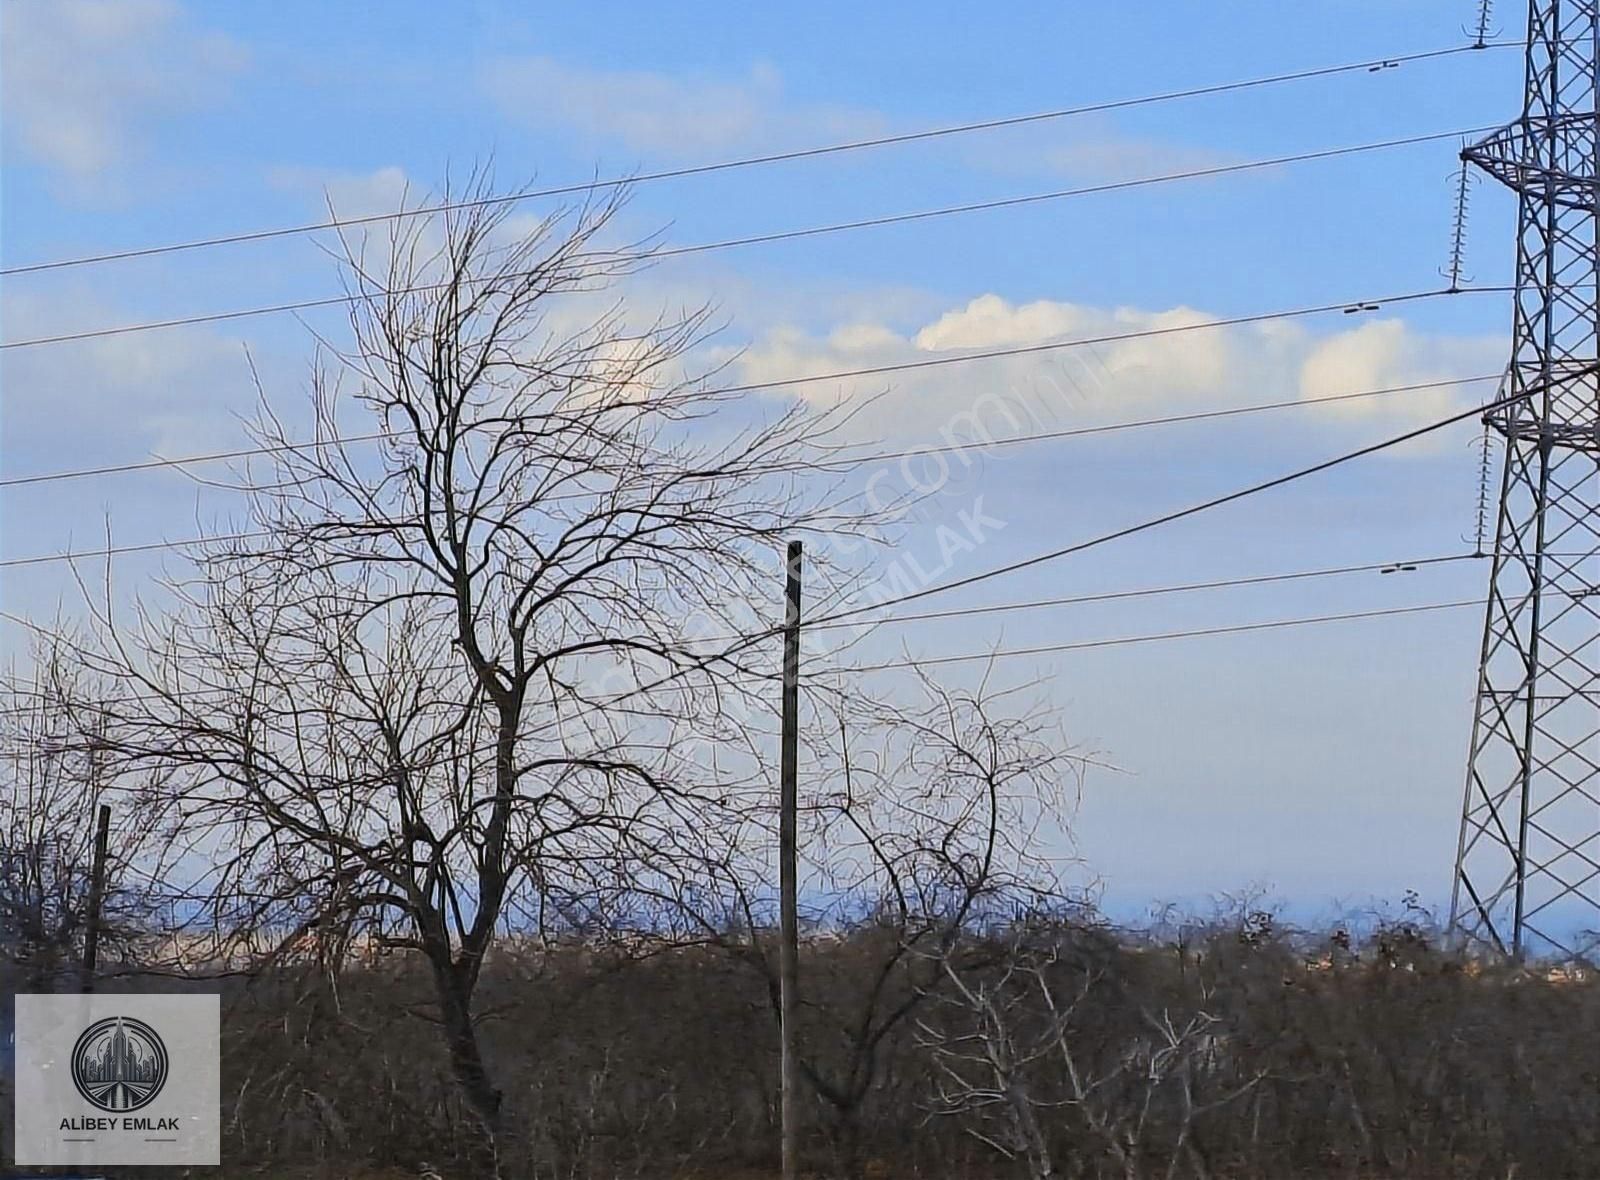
118 1079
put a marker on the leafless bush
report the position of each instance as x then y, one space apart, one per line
53 778
1025 1057
922 817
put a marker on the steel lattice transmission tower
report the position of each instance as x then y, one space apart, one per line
1528 864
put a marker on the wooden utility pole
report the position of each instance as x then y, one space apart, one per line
97 895
788 825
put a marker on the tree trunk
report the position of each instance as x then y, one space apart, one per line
466 1063
844 1138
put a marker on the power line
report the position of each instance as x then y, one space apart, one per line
135 465
185 461
1061 194
1181 513
1124 640
1349 308
1384 567
143 547
1361 306
759 239
1399 565
994 654
1403 565
1373 66
1102 539
1105 538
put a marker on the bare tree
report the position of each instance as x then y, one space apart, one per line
450 685
1030 1054
51 783
923 813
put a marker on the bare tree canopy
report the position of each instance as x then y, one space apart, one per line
468 678
53 776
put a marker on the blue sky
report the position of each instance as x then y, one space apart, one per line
1322 763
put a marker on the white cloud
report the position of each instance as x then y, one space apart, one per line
77 77
665 114
354 195
1386 353
990 322
1151 369
348 194
174 391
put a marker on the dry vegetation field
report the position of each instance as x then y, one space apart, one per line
1056 1048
